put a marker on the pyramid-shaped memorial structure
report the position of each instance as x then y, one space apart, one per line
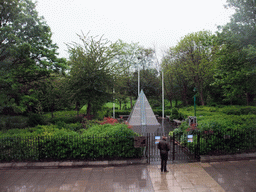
142 113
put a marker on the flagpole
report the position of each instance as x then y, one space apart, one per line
162 98
138 80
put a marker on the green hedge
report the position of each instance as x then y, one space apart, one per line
55 143
220 142
10 122
122 112
214 123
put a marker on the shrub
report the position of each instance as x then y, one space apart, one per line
35 119
10 122
60 141
159 112
122 112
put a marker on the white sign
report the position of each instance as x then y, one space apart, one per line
190 138
157 139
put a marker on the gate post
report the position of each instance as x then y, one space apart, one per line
173 147
148 146
197 151
148 149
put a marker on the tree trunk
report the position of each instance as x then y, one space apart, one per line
131 102
170 100
89 107
250 98
202 98
120 104
52 110
184 95
77 108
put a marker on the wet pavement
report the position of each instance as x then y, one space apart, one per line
121 178
183 177
235 176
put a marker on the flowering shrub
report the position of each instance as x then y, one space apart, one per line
192 129
109 120
129 126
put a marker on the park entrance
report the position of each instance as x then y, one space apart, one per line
143 121
178 153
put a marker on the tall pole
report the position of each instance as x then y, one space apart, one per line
162 98
138 80
162 93
114 103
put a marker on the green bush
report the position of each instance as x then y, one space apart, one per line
174 114
159 112
122 112
11 122
35 119
237 123
58 142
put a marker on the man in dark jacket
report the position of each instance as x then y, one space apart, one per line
164 147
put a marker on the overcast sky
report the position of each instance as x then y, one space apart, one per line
159 23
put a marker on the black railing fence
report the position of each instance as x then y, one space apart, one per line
44 148
220 142
68 148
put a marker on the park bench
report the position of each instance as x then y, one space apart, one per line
177 122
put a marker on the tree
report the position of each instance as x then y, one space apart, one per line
91 74
235 71
27 54
176 85
128 59
193 61
53 95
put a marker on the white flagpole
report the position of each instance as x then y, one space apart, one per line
162 98
138 80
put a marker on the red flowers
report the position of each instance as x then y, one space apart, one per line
129 126
192 127
109 120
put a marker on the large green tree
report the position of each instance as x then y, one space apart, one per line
235 71
27 54
91 74
193 62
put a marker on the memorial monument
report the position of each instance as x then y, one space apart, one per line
142 118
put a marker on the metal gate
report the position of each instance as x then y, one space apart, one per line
184 148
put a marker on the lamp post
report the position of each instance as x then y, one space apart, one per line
114 103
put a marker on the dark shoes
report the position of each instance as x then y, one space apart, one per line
166 171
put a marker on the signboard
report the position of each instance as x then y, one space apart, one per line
140 141
157 139
190 138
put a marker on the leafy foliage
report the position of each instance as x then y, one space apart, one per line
235 71
190 64
91 80
27 55
57 142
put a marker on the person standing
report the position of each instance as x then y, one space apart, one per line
164 147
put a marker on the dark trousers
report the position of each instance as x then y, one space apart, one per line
164 158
